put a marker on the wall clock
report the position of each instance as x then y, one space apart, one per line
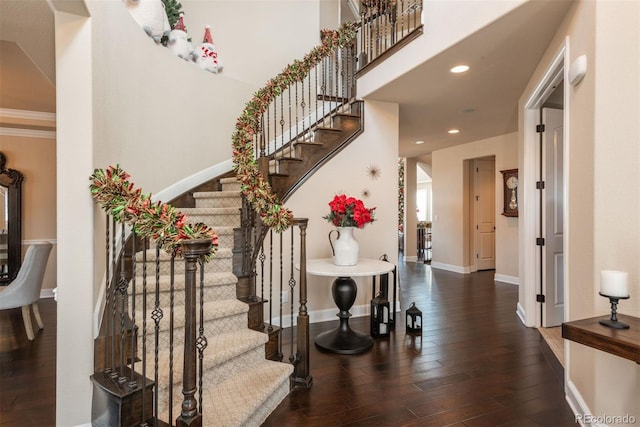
510 192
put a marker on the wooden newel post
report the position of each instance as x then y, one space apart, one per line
301 375
192 250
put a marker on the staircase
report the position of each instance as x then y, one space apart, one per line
242 386
239 379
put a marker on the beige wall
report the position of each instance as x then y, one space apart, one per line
603 150
451 207
347 173
36 159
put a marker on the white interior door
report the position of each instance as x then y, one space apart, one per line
552 218
484 213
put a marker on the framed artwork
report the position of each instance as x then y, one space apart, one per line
510 192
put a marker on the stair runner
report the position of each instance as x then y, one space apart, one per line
240 386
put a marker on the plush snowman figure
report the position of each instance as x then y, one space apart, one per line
151 17
207 54
179 41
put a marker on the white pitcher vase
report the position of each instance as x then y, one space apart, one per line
345 248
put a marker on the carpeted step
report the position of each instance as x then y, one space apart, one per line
244 400
217 286
230 184
214 217
221 262
226 354
218 199
220 317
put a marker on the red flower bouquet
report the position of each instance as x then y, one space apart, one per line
349 212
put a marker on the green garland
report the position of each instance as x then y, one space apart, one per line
254 185
158 221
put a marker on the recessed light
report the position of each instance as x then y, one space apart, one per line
459 69
419 142
454 131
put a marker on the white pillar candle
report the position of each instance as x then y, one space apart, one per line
614 283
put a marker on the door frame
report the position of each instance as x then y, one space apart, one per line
530 260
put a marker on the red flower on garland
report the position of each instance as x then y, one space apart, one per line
349 212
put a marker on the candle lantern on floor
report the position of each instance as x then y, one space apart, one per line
414 320
380 316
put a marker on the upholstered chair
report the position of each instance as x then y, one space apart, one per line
24 291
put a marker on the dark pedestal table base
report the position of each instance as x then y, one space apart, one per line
343 339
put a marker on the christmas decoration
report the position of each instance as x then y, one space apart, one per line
207 54
349 212
178 41
255 187
173 9
151 17
158 221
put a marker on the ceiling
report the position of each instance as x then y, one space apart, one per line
481 103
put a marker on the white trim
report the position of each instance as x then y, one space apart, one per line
520 313
28 115
31 242
194 180
27 133
529 254
578 405
450 267
329 314
512 280
46 293
411 258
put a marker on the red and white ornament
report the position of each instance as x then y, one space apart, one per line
179 41
207 54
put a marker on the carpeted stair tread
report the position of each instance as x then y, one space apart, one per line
216 194
210 279
221 349
209 211
214 310
165 257
234 401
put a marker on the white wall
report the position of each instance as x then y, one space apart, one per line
450 208
602 150
347 173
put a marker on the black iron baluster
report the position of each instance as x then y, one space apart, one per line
132 382
297 120
280 299
201 341
107 368
292 285
262 257
144 328
156 315
172 295
282 123
114 374
122 292
270 279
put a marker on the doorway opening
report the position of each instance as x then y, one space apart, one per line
481 217
543 301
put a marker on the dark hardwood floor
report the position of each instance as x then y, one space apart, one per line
28 369
475 365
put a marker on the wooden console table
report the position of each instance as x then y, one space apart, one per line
621 342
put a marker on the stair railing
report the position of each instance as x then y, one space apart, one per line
128 387
385 24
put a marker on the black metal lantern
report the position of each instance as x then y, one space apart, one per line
380 326
414 320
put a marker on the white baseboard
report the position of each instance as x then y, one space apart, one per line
329 314
512 280
450 267
520 313
579 407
